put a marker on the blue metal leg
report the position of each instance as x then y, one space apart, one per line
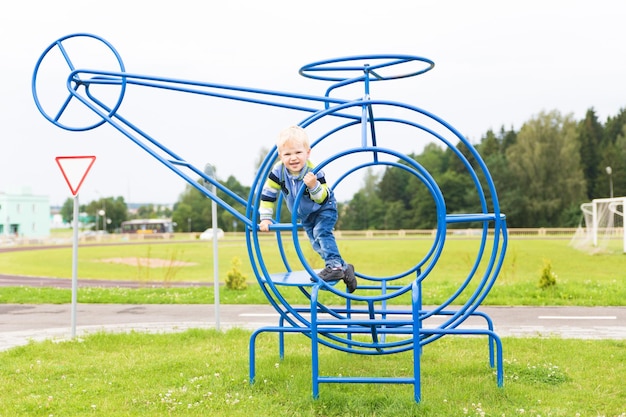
252 355
417 347
281 340
314 344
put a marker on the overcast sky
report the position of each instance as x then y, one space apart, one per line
497 63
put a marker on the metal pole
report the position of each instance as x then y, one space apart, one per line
624 222
609 171
74 266
209 170
216 278
594 221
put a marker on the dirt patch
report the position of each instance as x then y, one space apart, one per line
147 262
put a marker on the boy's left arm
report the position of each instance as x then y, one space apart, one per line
318 189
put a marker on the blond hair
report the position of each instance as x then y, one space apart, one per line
294 134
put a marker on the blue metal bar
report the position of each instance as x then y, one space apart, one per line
330 326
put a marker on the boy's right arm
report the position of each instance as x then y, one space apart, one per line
264 226
269 195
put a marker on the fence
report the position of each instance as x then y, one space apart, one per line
565 233
532 233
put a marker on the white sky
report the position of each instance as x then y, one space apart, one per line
497 63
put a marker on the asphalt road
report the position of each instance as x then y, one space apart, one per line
21 323
17 281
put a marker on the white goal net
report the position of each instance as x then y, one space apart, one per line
602 226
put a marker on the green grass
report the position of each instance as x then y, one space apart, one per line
205 372
581 279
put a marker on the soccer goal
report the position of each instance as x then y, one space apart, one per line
602 226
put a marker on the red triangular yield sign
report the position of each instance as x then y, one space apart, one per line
75 169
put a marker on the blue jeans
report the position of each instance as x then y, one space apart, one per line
319 228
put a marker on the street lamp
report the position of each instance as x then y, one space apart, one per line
609 171
102 214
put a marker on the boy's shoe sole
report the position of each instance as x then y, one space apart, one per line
350 279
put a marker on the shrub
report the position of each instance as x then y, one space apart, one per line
548 277
235 280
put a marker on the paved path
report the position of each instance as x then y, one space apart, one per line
21 323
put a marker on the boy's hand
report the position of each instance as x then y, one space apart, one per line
264 226
310 179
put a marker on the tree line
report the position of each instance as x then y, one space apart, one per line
542 172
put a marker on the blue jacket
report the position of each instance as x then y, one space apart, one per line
280 180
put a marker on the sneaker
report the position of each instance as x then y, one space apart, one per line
331 274
349 278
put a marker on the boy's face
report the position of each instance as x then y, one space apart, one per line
294 156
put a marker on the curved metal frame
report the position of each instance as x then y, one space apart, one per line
370 323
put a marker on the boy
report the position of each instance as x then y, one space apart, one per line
317 209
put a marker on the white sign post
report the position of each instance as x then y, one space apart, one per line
74 170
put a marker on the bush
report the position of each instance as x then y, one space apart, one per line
548 277
235 280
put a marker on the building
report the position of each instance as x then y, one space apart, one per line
24 215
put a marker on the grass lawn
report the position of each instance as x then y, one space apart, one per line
581 279
205 372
